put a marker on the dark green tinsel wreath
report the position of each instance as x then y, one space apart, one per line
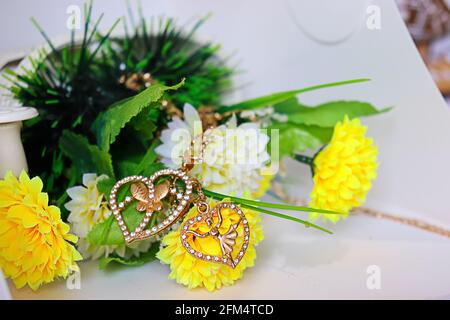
73 84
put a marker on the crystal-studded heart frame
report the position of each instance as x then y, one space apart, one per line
202 217
179 207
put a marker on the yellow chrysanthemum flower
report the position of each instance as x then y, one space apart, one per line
344 170
34 241
193 273
264 185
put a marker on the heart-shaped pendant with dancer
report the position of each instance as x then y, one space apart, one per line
226 234
148 193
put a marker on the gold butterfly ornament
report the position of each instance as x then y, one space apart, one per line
149 194
141 193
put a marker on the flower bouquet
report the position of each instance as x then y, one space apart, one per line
142 161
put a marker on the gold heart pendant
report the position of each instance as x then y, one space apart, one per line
223 229
147 193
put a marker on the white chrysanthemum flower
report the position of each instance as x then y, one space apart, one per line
87 208
87 205
232 160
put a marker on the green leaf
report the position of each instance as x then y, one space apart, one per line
150 169
108 124
260 205
108 231
324 134
104 186
281 96
291 105
85 157
144 126
148 159
286 217
134 261
126 168
294 139
328 114
147 166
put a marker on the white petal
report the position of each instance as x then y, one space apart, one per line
89 177
263 157
120 250
168 162
263 140
72 205
102 177
166 136
177 123
192 118
232 122
164 150
249 126
76 192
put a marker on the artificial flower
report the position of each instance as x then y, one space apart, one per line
232 157
35 243
192 272
264 185
89 207
344 170
264 116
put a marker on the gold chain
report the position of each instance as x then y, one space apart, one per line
420 224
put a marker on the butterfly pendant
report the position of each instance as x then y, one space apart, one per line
148 194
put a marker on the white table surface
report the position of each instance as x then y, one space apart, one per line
294 263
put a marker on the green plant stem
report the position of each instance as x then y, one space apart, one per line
267 204
309 161
102 40
282 96
304 159
333 84
284 216
246 204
